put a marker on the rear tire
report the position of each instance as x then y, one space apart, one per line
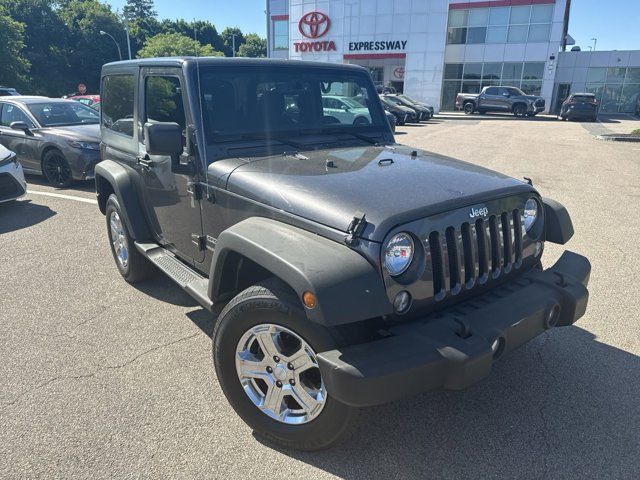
132 265
468 108
273 310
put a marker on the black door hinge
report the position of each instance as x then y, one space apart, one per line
355 229
199 241
195 189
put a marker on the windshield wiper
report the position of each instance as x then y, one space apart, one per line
364 138
258 136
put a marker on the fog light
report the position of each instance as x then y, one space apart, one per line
552 317
402 302
497 347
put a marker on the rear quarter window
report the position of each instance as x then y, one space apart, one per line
118 103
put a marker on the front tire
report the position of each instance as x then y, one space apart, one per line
133 266
520 110
56 169
468 108
264 351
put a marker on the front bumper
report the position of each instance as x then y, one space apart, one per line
456 348
12 182
83 162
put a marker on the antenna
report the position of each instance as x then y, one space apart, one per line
200 134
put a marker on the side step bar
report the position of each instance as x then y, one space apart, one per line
190 280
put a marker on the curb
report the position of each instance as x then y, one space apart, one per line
619 138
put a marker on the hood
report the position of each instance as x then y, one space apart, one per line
388 185
533 98
85 133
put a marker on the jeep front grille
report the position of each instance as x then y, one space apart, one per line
463 256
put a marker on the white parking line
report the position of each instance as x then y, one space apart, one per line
66 197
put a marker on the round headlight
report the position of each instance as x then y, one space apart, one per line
398 253
530 213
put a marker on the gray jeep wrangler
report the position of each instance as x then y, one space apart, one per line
349 270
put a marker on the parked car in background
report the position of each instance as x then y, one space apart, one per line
12 184
346 110
500 99
411 100
92 101
580 106
54 137
391 118
422 113
400 112
8 92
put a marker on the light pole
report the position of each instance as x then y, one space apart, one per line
126 30
233 44
595 41
102 32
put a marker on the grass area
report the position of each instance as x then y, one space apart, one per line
636 132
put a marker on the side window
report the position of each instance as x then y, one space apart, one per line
492 91
117 103
11 113
163 100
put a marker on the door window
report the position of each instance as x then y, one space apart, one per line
11 113
163 100
117 103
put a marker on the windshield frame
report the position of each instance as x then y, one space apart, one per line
208 74
70 104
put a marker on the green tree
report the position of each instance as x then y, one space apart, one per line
254 46
175 45
205 32
227 38
87 49
143 23
15 66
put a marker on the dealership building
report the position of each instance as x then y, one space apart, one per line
433 49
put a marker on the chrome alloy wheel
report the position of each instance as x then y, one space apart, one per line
279 372
119 240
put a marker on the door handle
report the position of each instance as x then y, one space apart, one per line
145 161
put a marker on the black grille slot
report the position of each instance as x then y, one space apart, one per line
517 237
507 236
436 262
495 244
468 250
483 258
454 265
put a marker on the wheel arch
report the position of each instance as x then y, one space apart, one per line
517 104
114 178
46 149
346 285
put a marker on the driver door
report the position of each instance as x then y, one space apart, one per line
169 188
25 145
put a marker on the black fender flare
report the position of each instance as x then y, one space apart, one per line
558 225
114 177
347 287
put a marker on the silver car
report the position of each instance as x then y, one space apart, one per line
12 184
54 137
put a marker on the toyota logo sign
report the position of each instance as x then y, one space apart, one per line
314 25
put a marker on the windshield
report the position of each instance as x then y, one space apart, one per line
395 101
515 92
408 99
251 102
56 114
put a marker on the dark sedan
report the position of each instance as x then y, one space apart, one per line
402 114
54 137
423 113
417 102
580 106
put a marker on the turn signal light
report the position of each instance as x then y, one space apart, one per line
309 299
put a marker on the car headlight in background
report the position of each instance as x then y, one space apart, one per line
530 213
398 253
84 145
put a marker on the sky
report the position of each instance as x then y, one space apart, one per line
615 23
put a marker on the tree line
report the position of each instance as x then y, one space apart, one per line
47 47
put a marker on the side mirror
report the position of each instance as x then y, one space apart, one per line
163 138
505 94
21 126
345 108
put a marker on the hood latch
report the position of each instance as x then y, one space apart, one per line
355 229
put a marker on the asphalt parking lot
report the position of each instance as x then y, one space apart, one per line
103 379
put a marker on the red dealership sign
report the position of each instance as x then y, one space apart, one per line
314 25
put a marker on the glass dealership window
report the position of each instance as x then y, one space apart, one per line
541 13
533 71
596 75
499 16
450 88
539 33
512 71
476 34
518 34
453 71
458 18
497 34
456 36
281 34
633 75
478 17
531 87
629 97
616 75
610 98
520 15
472 71
491 71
